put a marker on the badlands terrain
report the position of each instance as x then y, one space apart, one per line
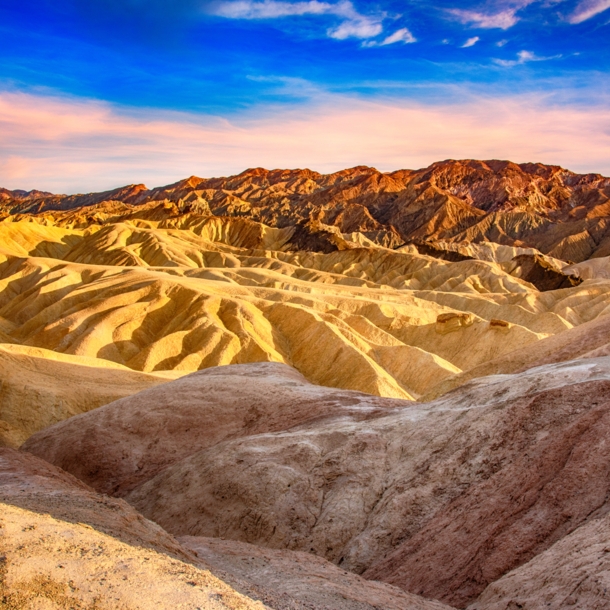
297 391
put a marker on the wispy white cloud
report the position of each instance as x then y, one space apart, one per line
470 42
503 15
68 145
403 35
289 86
272 9
488 20
523 57
497 14
354 24
356 28
587 9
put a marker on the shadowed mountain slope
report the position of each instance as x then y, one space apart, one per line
573 573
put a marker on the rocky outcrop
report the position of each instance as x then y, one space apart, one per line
589 340
291 580
446 254
450 322
536 270
129 441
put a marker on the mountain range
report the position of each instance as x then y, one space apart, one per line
556 211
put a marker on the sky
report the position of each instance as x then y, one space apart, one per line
95 94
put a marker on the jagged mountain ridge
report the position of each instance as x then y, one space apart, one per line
20 194
559 212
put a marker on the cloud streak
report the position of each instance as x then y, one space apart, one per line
354 25
587 9
523 57
68 145
501 20
274 9
403 35
470 42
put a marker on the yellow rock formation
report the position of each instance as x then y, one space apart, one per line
40 387
157 295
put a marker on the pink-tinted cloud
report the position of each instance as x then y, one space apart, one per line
354 25
587 9
470 42
503 20
67 145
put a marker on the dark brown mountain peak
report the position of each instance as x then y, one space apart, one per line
5 194
288 175
544 171
346 175
253 172
126 193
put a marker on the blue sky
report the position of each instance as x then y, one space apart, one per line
242 62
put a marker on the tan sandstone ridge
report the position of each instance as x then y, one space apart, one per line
215 291
316 312
40 387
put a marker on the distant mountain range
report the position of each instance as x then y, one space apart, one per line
563 214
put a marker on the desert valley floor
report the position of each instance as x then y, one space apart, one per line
296 391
